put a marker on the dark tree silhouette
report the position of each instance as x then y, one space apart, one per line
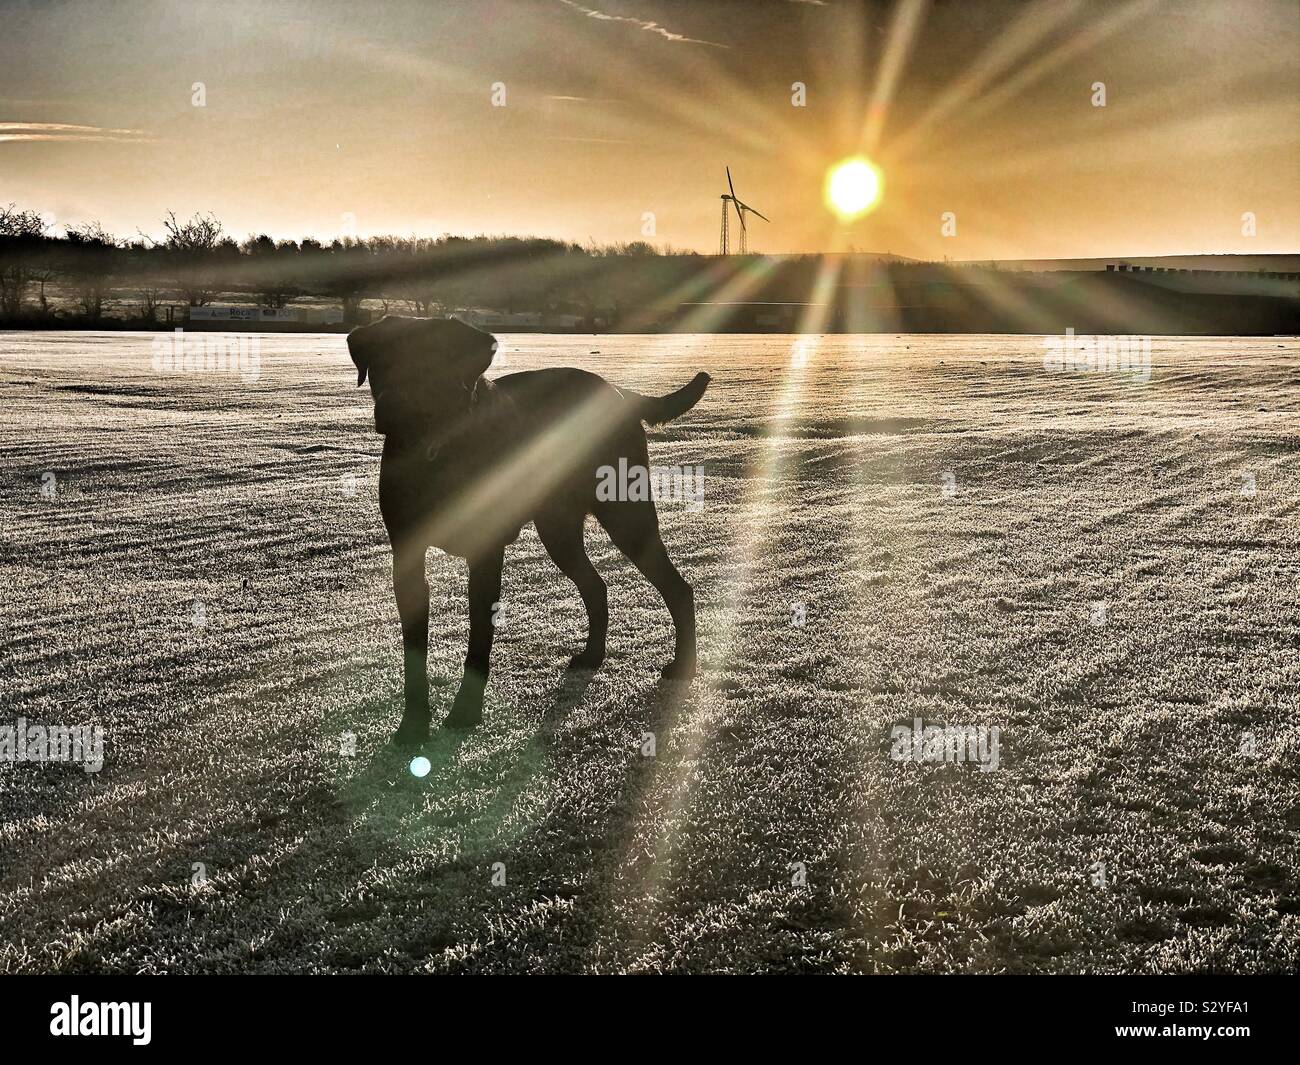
89 265
23 252
191 247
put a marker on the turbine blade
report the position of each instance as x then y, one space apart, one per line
730 185
739 212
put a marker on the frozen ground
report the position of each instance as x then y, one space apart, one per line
1076 559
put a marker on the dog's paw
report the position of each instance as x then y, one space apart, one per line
680 669
587 660
462 719
466 712
410 735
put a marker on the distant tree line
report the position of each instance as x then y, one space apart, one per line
195 262
87 277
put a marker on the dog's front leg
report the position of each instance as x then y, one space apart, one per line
484 595
411 591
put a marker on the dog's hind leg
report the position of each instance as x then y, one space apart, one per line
634 528
484 598
561 535
411 591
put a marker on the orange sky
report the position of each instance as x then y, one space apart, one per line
332 118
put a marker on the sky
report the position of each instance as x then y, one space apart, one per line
613 120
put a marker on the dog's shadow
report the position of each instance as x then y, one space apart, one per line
419 787
659 703
567 694
474 780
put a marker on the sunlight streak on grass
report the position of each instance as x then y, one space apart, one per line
759 509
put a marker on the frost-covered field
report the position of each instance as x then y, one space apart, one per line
1104 569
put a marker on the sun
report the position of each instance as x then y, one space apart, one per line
853 187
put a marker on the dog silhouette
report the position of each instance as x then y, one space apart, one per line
467 462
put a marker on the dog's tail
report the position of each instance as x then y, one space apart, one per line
655 410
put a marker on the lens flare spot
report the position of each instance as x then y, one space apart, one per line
853 187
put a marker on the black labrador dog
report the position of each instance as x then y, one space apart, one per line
468 462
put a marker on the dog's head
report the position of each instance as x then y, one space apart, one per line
422 370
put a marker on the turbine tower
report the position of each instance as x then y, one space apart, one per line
724 235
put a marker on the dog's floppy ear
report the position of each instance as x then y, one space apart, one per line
359 349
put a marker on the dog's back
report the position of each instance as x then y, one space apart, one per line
552 392
581 423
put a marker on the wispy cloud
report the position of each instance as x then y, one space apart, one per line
644 24
68 131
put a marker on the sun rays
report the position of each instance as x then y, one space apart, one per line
845 292
765 491
992 426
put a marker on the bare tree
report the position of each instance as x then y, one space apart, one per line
419 296
22 240
276 292
270 268
42 275
191 245
150 298
90 266
346 275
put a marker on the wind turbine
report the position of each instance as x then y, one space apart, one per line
724 236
